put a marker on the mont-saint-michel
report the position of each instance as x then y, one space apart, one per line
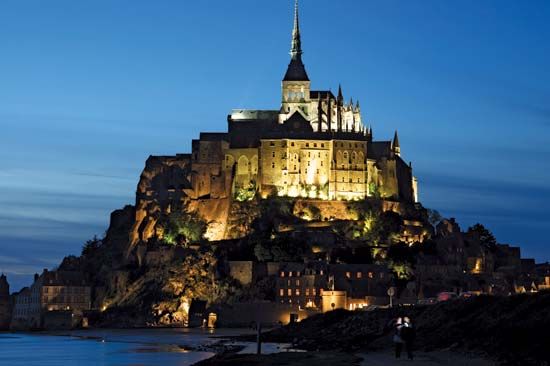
305 221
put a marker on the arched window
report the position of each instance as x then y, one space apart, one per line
242 165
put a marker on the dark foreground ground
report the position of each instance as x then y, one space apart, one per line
447 358
505 330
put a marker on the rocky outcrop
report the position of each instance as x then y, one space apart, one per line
163 186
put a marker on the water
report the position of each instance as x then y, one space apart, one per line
167 347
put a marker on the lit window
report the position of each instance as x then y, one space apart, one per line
297 282
288 282
359 275
282 273
289 292
371 275
281 292
321 272
297 292
348 274
290 274
298 274
314 291
307 291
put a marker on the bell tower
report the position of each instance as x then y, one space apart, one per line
296 85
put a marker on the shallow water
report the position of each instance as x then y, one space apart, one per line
167 347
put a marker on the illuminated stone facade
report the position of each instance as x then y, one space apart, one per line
315 145
52 291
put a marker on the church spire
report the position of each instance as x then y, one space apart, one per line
296 70
296 49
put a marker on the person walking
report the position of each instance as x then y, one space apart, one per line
407 335
397 339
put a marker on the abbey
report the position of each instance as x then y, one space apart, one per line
316 145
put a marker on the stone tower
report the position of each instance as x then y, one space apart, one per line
296 85
5 305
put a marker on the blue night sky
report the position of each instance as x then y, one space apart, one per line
89 89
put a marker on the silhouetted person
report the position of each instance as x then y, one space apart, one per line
407 335
397 337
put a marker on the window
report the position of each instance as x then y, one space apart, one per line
321 272
314 291
290 274
307 291
282 273
273 165
297 292
359 275
292 144
272 143
298 274
348 274
288 283
273 154
315 145
322 145
307 144
289 292
297 282
371 275
281 292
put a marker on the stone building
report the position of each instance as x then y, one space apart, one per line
52 291
356 285
5 303
314 144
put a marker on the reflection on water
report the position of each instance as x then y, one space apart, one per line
165 347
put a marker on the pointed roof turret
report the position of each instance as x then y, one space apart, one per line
396 146
357 107
340 97
296 70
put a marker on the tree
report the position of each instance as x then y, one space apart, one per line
434 217
184 227
486 238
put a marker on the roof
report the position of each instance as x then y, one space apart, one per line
378 149
314 94
296 71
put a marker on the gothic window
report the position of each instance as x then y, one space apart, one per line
273 165
273 154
